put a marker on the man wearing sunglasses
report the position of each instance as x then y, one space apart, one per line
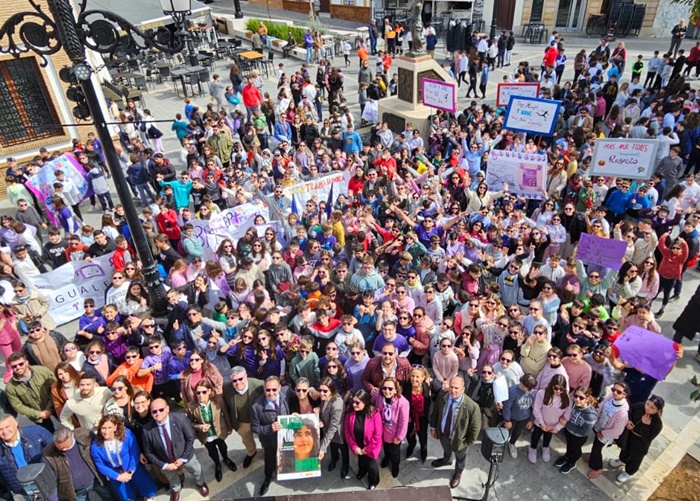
168 443
29 390
263 421
43 347
239 396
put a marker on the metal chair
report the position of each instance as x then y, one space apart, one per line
140 81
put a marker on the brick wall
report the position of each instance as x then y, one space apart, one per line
25 151
351 13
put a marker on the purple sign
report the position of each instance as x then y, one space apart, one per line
606 252
646 351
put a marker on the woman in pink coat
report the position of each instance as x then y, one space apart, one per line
9 337
613 415
363 434
394 409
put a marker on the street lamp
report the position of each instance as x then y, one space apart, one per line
494 20
103 32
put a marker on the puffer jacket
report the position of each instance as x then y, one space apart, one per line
34 439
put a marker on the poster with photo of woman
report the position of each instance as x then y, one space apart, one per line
298 447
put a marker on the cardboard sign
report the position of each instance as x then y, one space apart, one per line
525 173
520 89
440 95
630 158
534 116
606 252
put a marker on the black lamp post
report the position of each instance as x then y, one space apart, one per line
494 20
100 31
238 14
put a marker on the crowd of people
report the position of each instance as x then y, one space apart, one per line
419 301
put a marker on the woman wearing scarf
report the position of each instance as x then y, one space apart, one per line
394 411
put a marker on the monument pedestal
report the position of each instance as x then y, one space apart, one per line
406 106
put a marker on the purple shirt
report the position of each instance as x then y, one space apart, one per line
160 376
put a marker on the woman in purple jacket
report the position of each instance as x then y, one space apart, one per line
363 434
394 409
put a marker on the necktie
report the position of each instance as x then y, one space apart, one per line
168 444
448 420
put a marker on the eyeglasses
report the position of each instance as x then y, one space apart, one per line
95 352
271 390
357 402
157 411
197 359
552 355
324 391
388 353
331 348
487 373
131 357
148 326
445 346
300 390
593 276
617 392
506 360
118 278
154 347
355 353
558 388
502 324
17 365
579 397
70 348
388 388
117 388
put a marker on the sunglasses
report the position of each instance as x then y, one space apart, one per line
131 357
117 388
271 390
552 355
157 411
580 397
95 352
617 392
355 353
558 388
506 360
17 365
388 388
357 402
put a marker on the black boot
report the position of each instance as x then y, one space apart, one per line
332 465
218 475
423 454
409 451
231 465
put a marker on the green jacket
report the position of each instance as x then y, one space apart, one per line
34 396
239 405
467 421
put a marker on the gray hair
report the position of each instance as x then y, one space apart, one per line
236 371
62 435
303 380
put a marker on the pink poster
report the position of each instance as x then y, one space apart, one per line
646 351
41 183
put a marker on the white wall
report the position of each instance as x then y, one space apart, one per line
667 16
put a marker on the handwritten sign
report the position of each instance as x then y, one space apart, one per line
440 95
606 252
646 351
525 173
524 89
630 158
536 116
320 188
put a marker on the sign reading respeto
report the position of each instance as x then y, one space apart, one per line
630 158
440 95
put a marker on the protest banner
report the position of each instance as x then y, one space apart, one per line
324 189
646 351
298 445
439 94
606 252
520 89
630 158
41 183
535 116
69 285
525 173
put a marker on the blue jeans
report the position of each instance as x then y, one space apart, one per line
373 45
145 191
105 200
309 54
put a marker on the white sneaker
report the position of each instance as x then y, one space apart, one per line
615 463
545 454
532 455
513 451
623 477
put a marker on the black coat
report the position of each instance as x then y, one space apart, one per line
688 321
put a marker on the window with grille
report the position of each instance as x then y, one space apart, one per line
26 110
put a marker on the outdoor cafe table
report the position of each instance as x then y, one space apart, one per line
179 74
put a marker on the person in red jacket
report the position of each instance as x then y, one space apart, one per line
671 266
123 255
386 165
167 224
251 97
387 363
550 55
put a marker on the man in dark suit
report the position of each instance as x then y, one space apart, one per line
263 422
239 397
168 443
456 422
